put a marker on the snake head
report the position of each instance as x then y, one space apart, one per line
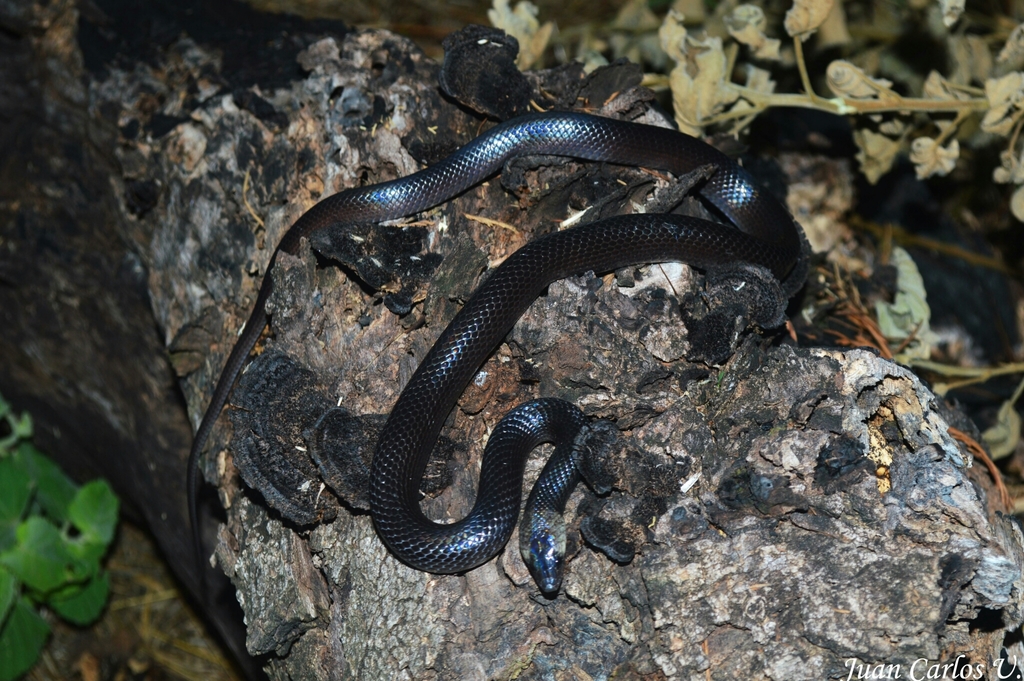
546 562
544 555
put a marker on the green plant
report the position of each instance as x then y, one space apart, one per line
52 537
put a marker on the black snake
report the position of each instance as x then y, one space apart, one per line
763 233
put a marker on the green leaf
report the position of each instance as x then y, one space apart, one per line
21 429
15 493
81 605
909 314
54 490
23 426
87 550
8 594
94 511
42 559
21 639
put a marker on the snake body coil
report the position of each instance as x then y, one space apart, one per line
762 233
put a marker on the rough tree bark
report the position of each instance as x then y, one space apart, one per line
79 348
777 512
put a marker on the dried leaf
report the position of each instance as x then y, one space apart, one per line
746 24
1005 96
1011 170
1004 435
931 159
640 48
847 80
833 30
759 79
1005 89
999 120
981 62
521 23
537 46
806 16
877 153
1017 204
698 81
692 9
951 11
971 58
633 35
1013 50
672 34
893 127
636 15
937 87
